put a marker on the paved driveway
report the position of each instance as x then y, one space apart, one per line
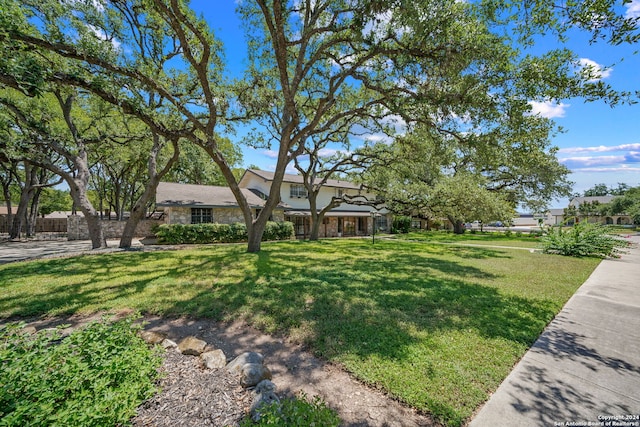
23 250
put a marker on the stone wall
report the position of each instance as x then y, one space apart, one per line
77 228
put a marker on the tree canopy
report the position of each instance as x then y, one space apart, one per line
459 72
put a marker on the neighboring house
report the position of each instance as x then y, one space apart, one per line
622 219
554 217
557 216
193 204
344 220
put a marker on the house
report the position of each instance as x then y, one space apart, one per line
622 219
194 204
557 216
189 204
554 217
344 220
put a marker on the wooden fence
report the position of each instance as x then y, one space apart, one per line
43 225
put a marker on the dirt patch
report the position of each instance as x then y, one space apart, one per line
293 369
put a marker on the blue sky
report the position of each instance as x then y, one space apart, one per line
600 144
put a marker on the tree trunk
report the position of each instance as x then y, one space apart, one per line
78 190
254 234
32 218
138 210
19 219
458 226
315 218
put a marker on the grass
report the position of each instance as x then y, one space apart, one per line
489 238
436 326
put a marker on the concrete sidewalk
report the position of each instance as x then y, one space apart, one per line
584 370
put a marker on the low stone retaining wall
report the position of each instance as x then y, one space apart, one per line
77 228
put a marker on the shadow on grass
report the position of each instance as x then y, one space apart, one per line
343 298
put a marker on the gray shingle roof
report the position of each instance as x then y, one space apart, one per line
600 199
297 179
208 196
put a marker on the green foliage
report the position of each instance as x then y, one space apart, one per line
52 200
583 239
176 234
401 224
278 230
97 376
296 412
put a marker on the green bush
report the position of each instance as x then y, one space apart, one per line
97 376
583 239
176 234
296 412
401 224
536 233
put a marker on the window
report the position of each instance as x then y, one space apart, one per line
201 215
381 223
362 224
298 191
339 192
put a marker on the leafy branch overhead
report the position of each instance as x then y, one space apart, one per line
330 71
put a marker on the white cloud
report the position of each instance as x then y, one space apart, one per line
601 148
548 109
270 154
633 9
594 70
581 162
103 36
617 169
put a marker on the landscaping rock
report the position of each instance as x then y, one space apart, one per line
167 344
264 394
235 366
214 359
29 330
152 338
192 346
252 373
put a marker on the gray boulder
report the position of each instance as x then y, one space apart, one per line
264 394
214 359
252 373
235 366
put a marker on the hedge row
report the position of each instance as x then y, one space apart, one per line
175 234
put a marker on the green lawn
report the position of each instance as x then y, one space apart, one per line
489 238
436 326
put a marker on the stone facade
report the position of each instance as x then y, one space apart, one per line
182 215
77 228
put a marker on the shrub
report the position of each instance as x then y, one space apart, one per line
583 239
401 224
176 234
97 376
296 412
536 233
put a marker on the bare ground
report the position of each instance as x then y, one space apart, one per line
193 396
